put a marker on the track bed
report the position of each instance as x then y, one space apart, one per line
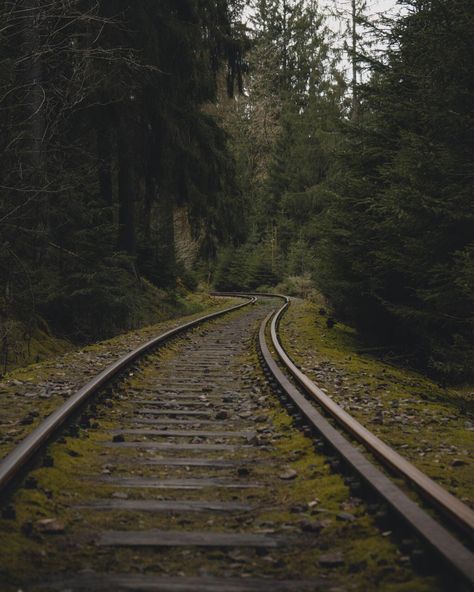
189 475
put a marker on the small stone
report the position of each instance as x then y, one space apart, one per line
346 516
261 419
288 475
222 415
459 462
298 508
331 560
298 453
311 525
50 526
118 438
120 495
243 472
27 420
358 566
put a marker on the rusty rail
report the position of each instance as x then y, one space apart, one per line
441 541
447 503
18 458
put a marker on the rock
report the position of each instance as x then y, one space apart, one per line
459 462
243 472
222 415
120 495
358 566
298 453
118 438
331 560
288 474
261 419
298 508
346 516
50 526
311 525
27 420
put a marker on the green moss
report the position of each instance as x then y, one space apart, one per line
427 423
371 562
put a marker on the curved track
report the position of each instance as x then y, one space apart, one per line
199 426
445 545
15 462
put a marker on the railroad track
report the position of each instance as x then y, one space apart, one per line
177 468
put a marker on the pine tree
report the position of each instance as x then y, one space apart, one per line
398 253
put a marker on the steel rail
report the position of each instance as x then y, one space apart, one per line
17 459
448 504
441 541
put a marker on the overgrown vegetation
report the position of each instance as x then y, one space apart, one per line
102 137
120 143
370 192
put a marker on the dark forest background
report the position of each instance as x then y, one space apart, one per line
150 145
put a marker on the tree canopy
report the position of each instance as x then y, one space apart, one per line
120 120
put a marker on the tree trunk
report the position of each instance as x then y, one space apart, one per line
150 194
35 93
126 213
104 153
355 98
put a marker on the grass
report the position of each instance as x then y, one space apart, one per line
427 423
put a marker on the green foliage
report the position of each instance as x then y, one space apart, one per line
283 135
248 267
397 255
104 133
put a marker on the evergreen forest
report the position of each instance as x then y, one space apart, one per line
152 147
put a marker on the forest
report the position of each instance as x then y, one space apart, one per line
240 145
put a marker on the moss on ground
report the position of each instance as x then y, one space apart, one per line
429 424
371 562
31 393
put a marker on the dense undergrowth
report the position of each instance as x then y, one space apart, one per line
82 323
